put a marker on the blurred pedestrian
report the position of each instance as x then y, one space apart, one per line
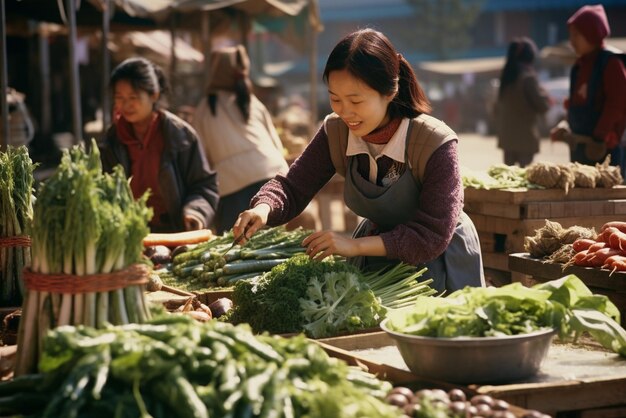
21 128
400 167
158 151
596 108
238 135
520 104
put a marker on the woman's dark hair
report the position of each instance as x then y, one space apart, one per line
369 56
230 69
142 74
521 53
243 93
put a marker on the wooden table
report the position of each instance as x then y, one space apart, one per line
582 380
598 280
504 217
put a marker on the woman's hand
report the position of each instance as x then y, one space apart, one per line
192 223
250 221
322 244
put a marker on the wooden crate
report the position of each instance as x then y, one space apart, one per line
574 380
598 280
503 218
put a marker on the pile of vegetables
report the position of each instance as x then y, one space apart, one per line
545 175
207 264
324 298
437 403
498 176
607 250
552 237
16 212
174 366
85 223
565 304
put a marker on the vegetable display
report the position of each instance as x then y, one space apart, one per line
607 251
565 304
16 212
85 223
206 265
324 298
174 366
545 175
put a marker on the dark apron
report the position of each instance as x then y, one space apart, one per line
385 207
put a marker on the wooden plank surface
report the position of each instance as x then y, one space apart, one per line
525 227
548 209
572 377
596 277
496 261
598 280
521 195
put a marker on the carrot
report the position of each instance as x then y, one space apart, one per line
621 225
598 258
617 240
615 263
582 244
596 246
605 234
579 258
174 239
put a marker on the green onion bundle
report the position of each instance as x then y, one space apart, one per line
16 212
85 222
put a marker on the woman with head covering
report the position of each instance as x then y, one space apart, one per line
521 103
596 109
237 133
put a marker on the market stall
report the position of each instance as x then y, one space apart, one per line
504 217
599 280
579 380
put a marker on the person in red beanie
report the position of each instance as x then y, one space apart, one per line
596 108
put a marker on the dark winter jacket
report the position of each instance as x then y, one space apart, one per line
518 113
187 182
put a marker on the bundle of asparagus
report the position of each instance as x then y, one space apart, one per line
87 234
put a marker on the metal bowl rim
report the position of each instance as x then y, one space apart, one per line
454 340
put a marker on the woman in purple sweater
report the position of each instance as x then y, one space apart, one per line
400 166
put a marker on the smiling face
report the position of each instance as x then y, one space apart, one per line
362 108
134 105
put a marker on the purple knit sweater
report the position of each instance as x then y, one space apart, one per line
418 241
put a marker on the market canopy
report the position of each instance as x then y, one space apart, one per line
564 53
464 66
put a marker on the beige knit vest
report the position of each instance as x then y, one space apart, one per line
425 133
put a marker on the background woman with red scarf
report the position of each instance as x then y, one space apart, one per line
158 150
596 108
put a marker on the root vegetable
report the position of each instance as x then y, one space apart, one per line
582 244
220 307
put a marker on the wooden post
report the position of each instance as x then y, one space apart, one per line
43 50
4 139
206 46
312 36
173 63
74 76
106 64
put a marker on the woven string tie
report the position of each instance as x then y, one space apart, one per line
16 241
135 274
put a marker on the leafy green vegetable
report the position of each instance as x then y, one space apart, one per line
174 366
339 302
323 298
565 304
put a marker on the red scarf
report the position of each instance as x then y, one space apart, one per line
145 160
383 135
